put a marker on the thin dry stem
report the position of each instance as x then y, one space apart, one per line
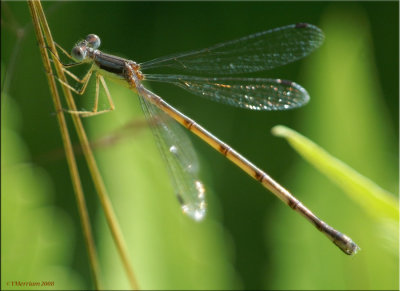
76 182
95 173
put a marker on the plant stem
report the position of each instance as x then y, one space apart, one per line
76 182
94 171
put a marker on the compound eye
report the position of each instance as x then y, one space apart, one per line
93 41
78 53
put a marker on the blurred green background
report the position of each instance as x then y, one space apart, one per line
249 240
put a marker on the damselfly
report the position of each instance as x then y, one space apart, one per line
256 52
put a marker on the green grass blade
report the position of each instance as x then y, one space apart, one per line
378 202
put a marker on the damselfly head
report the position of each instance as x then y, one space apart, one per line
79 52
93 41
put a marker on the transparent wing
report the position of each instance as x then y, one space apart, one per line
250 93
177 151
257 52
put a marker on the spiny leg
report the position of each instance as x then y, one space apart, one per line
84 81
73 76
99 78
109 98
